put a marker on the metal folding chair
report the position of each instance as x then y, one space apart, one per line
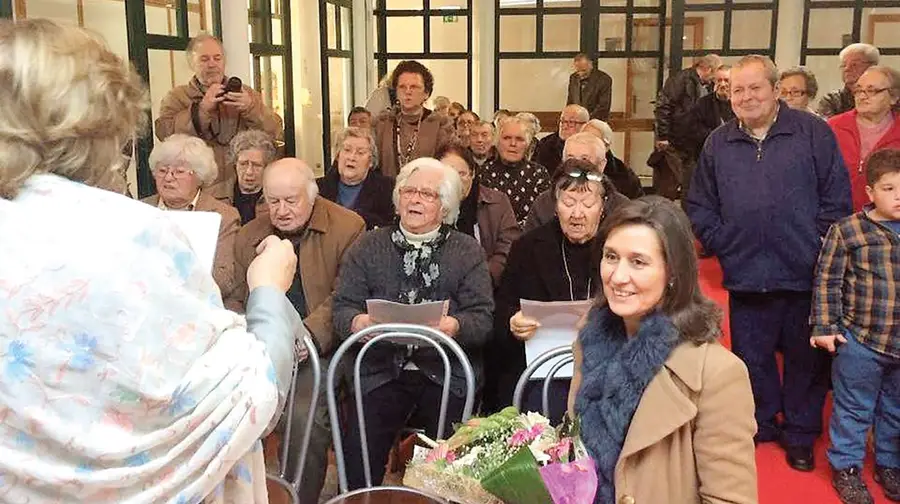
391 493
565 356
407 334
292 486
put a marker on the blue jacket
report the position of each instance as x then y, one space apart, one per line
763 207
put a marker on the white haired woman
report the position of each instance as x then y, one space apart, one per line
249 152
511 172
125 379
355 184
182 166
420 259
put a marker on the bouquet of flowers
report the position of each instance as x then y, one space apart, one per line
507 457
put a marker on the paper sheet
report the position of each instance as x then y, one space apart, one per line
386 312
202 232
558 320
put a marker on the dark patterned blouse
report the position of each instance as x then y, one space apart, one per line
522 182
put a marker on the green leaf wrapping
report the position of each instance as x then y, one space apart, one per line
518 480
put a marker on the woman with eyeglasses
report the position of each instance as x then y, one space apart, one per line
798 87
182 166
249 153
420 259
871 126
550 263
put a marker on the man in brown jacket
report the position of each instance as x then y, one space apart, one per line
203 109
321 232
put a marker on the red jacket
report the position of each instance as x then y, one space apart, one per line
847 133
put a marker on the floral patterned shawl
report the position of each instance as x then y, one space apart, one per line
122 378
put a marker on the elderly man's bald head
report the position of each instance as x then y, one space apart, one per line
290 189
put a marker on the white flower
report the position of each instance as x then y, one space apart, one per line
469 458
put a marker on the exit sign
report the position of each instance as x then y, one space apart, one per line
450 18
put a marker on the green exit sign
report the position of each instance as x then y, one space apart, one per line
450 18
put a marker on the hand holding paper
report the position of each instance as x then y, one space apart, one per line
523 327
558 322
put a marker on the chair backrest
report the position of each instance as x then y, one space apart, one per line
408 334
563 356
391 494
292 485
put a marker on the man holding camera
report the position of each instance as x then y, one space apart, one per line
215 109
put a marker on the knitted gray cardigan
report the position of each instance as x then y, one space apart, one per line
371 269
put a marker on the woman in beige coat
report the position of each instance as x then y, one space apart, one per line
666 411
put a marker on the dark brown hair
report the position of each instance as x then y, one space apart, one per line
881 163
413 66
358 110
696 317
464 152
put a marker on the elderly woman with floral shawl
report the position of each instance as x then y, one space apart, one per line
123 377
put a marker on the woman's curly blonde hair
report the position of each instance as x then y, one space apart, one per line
68 104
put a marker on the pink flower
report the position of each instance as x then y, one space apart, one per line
519 438
536 431
560 450
440 452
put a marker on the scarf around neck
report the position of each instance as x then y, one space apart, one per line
421 268
615 371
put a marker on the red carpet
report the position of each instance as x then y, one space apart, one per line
778 483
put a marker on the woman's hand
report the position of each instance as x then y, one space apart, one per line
274 266
449 326
523 327
360 322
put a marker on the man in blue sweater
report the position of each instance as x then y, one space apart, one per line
768 186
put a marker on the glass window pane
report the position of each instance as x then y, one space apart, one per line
645 32
404 4
199 16
562 32
271 86
160 19
828 73
450 4
167 70
108 19
405 34
709 28
535 85
64 12
643 3
257 22
751 29
612 32
277 31
346 29
340 94
449 78
640 146
720 2
561 4
839 23
449 33
331 28
517 33
881 27
518 3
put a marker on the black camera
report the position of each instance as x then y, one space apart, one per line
234 85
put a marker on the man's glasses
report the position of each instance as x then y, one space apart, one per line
869 92
568 123
426 195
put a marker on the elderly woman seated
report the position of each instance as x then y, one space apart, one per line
586 147
124 380
551 263
420 259
182 165
355 185
249 152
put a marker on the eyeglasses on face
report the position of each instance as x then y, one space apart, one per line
426 195
175 171
869 92
793 93
570 123
247 164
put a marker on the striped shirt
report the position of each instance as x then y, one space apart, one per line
856 284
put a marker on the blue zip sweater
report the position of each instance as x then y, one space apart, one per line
762 207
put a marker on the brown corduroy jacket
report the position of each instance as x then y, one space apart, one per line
435 131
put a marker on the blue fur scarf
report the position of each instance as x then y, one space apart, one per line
615 370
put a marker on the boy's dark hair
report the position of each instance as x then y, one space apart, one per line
358 110
881 163
413 66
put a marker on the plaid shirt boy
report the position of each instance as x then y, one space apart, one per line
856 284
